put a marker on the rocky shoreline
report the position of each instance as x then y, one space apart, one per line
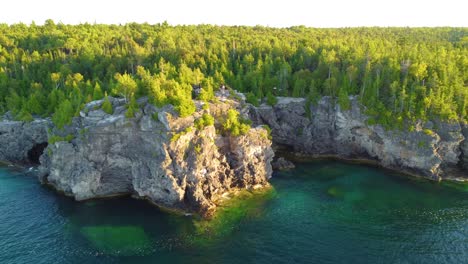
167 160
434 150
156 156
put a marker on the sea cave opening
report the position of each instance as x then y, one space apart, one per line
35 152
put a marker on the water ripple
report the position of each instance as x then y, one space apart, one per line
326 212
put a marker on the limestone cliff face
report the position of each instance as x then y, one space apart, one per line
324 129
156 156
22 142
464 148
165 159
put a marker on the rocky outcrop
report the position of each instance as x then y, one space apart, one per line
169 161
464 148
156 156
433 149
23 142
282 164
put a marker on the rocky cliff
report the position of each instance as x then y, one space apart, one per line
435 150
464 148
169 161
23 142
156 155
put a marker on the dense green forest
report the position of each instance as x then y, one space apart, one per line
399 73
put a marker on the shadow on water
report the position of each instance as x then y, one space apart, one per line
124 227
120 226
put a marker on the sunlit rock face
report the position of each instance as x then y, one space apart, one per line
434 149
156 156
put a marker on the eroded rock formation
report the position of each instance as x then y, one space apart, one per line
464 148
434 149
156 156
165 159
282 164
23 142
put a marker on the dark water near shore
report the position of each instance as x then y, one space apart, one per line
321 212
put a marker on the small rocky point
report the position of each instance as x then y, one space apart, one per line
282 164
157 156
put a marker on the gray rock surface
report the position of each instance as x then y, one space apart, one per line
282 164
464 148
325 130
23 142
163 158
156 156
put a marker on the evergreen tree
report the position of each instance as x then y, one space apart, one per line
343 99
132 107
126 85
400 74
97 92
107 106
64 114
251 99
271 100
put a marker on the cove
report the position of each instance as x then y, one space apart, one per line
320 212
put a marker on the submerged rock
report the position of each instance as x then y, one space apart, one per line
118 240
282 164
156 156
435 150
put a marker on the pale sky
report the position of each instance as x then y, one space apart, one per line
273 13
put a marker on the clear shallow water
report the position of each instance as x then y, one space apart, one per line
321 212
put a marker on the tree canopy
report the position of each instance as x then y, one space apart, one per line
398 73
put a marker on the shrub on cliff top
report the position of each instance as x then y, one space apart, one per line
55 138
185 107
131 108
268 132
204 120
235 125
107 106
271 99
251 99
428 132
64 114
25 116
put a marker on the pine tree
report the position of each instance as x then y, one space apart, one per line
63 114
126 86
33 105
24 115
132 107
271 100
251 99
97 92
343 99
107 106
14 102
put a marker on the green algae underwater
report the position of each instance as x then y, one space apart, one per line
122 239
322 211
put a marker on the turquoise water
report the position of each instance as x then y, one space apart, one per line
321 212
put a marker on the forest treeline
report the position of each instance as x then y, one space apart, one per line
398 73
